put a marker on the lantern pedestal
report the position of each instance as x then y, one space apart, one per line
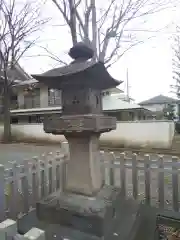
84 175
105 216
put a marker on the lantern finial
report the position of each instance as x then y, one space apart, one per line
81 51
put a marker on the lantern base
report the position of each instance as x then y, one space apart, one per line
108 215
79 124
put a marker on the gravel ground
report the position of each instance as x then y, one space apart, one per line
20 152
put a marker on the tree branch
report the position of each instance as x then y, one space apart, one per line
17 26
110 28
94 28
72 21
63 11
50 55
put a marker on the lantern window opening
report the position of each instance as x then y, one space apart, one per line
75 100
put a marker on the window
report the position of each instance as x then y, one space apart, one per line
75 100
106 93
131 116
14 102
97 100
54 97
35 119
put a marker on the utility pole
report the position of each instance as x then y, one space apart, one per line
127 85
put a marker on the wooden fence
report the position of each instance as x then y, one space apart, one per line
154 181
27 183
8 230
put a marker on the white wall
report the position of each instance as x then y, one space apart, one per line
152 134
20 97
44 96
176 110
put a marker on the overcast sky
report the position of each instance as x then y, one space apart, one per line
149 64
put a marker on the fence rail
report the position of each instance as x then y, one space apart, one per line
8 230
29 182
155 181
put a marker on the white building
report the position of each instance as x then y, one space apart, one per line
40 101
158 103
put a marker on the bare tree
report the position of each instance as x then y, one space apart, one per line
18 23
109 28
176 64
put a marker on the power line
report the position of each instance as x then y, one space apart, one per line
151 31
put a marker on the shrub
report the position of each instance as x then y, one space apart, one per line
177 127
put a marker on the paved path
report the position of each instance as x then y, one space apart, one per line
19 152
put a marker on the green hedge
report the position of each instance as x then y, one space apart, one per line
177 127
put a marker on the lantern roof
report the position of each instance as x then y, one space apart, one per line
83 71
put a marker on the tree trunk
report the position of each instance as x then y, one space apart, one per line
7 114
94 28
73 22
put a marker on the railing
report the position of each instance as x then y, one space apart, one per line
155 181
8 230
26 184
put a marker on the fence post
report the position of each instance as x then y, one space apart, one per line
14 193
147 179
161 181
35 180
2 194
25 186
65 149
112 159
102 166
34 234
8 229
58 158
51 173
43 176
175 184
134 175
105 163
63 171
123 174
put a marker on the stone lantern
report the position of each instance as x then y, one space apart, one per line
82 119
85 204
